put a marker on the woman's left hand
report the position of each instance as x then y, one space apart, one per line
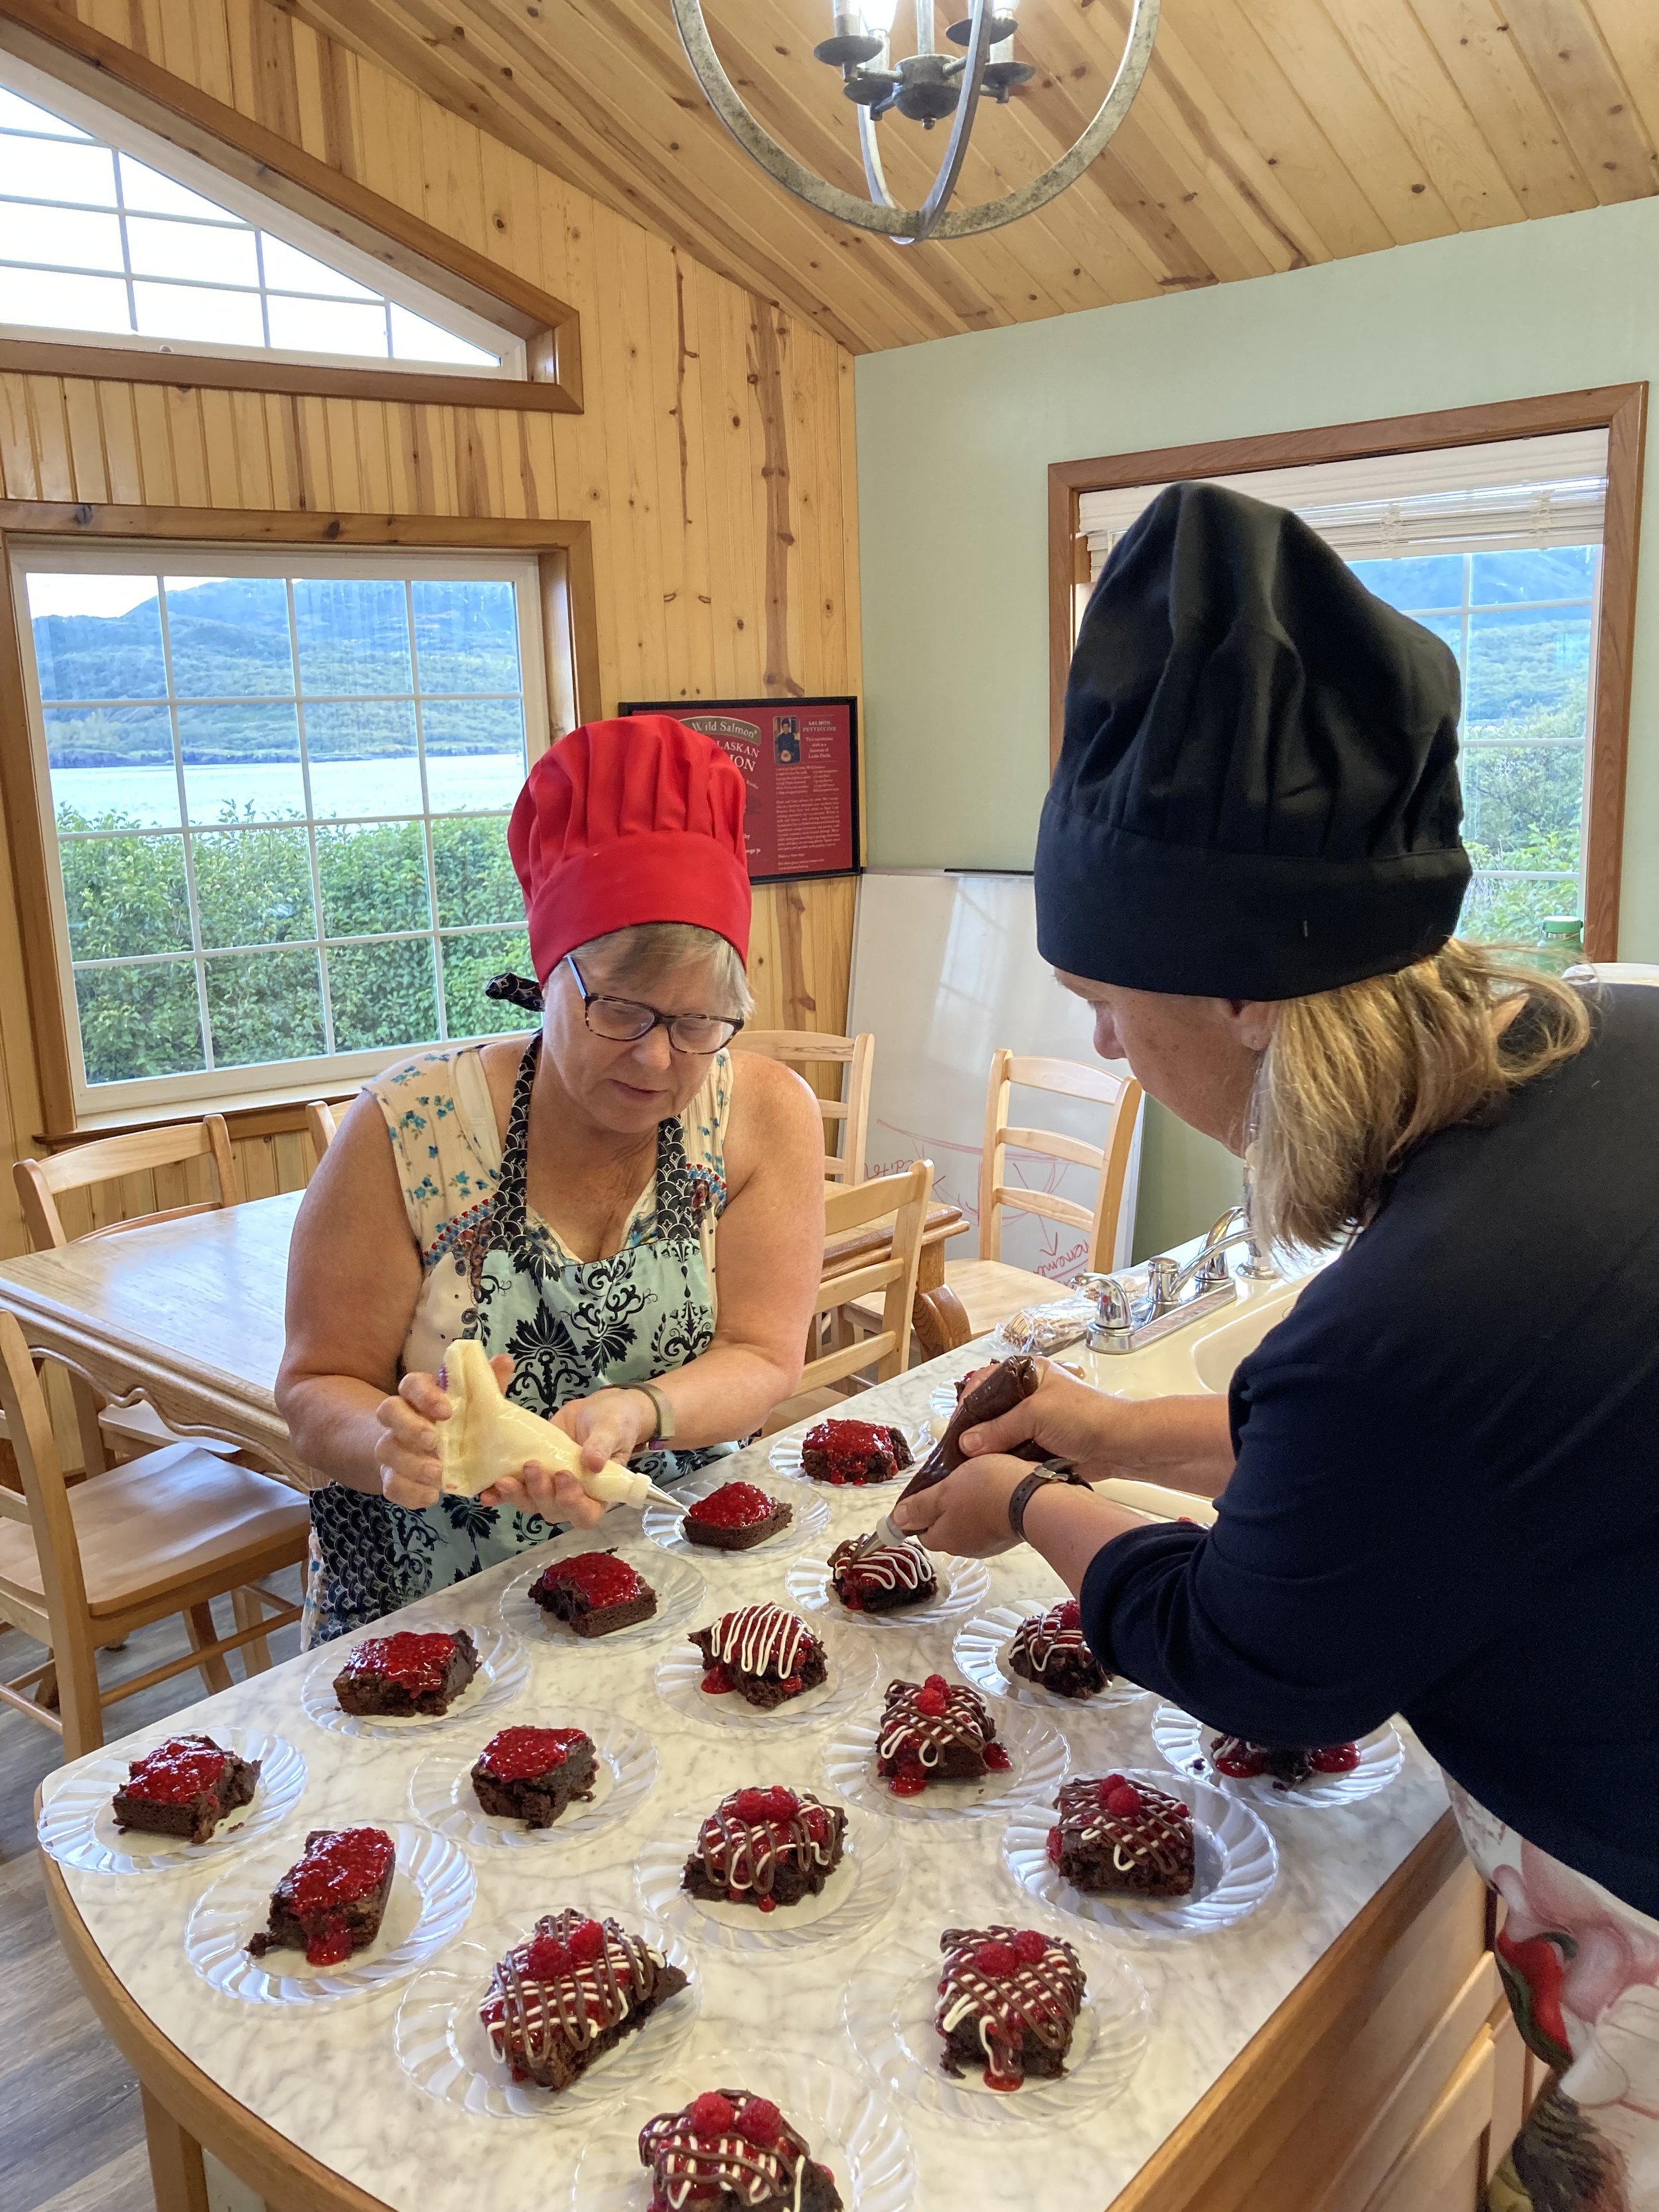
611 1424
967 1513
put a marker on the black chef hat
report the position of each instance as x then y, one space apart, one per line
1257 796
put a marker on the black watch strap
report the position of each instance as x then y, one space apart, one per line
1025 1490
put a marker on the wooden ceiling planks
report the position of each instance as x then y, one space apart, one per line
1269 134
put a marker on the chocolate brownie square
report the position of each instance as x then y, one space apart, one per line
935 1731
594 1594
767 1848
1116 1835
735 1517
530 1774
729 2152
1284 1764
870 1576
184 1787
570 1992
855 1452
331 1902
1049 1649
1008 2003
765 1653
406 1674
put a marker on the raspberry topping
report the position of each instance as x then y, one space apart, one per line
1121 1798
785 1805
548 1960
1069 1614
931 1701
998 1961
935 1683
586 1943
1336 1758
733 1505
1054 1846
760 2122
754 1805
711 2114
1033 1948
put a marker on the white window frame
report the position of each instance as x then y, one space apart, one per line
104 1102
111 127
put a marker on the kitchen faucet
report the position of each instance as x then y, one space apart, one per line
1170 1296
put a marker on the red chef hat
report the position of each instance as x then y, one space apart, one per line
637 820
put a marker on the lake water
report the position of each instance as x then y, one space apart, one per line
347 790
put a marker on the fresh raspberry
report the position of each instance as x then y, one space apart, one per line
753 1806
1033 1948
1122 1801
1054 1846
1068 1616
548 1961
783 1805
792 1685
759 2122
936 1682
587 1943
1336 1758
711 2114
998 1961
933 1702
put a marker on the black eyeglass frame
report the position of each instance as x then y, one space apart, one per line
657 1020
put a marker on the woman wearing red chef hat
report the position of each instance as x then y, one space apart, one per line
569 1202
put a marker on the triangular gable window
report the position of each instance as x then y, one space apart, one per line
95 239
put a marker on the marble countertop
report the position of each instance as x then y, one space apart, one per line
328 2077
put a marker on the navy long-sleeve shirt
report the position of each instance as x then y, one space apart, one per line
1446 1497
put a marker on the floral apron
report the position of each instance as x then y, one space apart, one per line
1581 1968
571 1327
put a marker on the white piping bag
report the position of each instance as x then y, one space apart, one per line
488 1436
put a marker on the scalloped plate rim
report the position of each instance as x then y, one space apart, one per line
84 1795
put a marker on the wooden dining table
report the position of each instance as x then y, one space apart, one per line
188 1316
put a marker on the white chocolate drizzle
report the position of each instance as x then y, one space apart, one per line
761 1639
1043 1996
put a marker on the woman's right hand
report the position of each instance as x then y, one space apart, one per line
1071 1420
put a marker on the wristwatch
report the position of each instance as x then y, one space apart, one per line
664 1429
1027 1489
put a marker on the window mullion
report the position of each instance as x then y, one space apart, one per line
199 960
441 1009
126 244
318 918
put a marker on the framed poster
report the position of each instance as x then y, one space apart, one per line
799 758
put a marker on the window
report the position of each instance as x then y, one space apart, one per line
277 791
1498 548
104 228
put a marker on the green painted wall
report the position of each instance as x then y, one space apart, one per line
954 440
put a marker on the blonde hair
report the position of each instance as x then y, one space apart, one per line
638 957
1353 1077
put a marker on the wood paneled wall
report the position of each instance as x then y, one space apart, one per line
714 461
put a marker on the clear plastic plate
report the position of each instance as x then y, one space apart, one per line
444 2048
849 2123
432 1894
441 1792
678 1586
961 1586
1234 1866
1036 1749
981 1652
850 1659
859 1894
503 1671
1185 1744
667 1528
786 1458
888 2012
77 1826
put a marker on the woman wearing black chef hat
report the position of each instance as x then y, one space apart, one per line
1437 1479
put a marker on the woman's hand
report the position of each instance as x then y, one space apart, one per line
1070 1420
406 1441
967 1513
611 1424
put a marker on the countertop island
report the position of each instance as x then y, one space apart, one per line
1294 2059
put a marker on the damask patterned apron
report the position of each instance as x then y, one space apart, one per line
571 1327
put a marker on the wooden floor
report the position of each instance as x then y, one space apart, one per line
71 2134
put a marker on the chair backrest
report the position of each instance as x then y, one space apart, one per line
903 1197
1120 1094
849 1114
44 1506
108 1158
321 1123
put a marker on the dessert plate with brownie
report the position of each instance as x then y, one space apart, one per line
734 1513
848 1455
871 1581
1001 2024
578 1591
1314 1776
769 1867
763 2129
761 1666
330 1914
935 1750
398 1684
561 2016
1126 1849
1036 1656
188 1799
563 1776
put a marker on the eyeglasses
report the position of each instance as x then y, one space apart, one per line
624 1021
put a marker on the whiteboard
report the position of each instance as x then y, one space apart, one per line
945 970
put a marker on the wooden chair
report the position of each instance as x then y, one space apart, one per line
850 1113
321 1122
82 1567
988 1288
830 1373
107 1160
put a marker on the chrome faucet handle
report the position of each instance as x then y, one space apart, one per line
1112 1305
1163 1281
